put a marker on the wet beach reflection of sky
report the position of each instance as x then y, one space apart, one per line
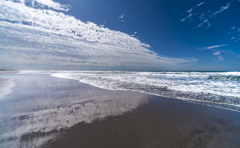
5 86
40 106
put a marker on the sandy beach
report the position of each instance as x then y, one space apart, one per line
44 111
5 86
162 122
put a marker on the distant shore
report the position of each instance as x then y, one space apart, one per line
6 71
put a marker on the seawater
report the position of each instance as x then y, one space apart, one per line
219 89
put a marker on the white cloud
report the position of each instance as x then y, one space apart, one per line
235 32
121 16
47 3
206 21
190 10
134 34
220 58
217 52
211 47
222 9
204 17
184 19
189 13
46 37
200 4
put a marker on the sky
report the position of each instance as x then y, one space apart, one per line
176 35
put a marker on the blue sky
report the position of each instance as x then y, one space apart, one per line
120 35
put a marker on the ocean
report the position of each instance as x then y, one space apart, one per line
218 89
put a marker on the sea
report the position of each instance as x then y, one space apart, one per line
217 89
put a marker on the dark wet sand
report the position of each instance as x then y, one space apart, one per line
121 119
162 123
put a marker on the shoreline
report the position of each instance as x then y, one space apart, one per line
196 95
201 102
8 71
215 104
68 113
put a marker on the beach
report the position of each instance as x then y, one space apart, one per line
5 86
160 123
44 111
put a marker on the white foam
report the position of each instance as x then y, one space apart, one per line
221 87
197 82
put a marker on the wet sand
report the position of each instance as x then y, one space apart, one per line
163 122
5 86
61 113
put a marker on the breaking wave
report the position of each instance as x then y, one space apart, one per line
219 89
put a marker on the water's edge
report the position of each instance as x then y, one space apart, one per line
217 89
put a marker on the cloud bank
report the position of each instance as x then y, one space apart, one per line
38 33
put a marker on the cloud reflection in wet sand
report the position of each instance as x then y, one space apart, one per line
40 106
5 86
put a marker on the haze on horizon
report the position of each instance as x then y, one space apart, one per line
120 35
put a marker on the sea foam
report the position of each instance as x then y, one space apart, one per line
219 89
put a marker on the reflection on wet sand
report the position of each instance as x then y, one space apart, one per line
41 106
5 86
